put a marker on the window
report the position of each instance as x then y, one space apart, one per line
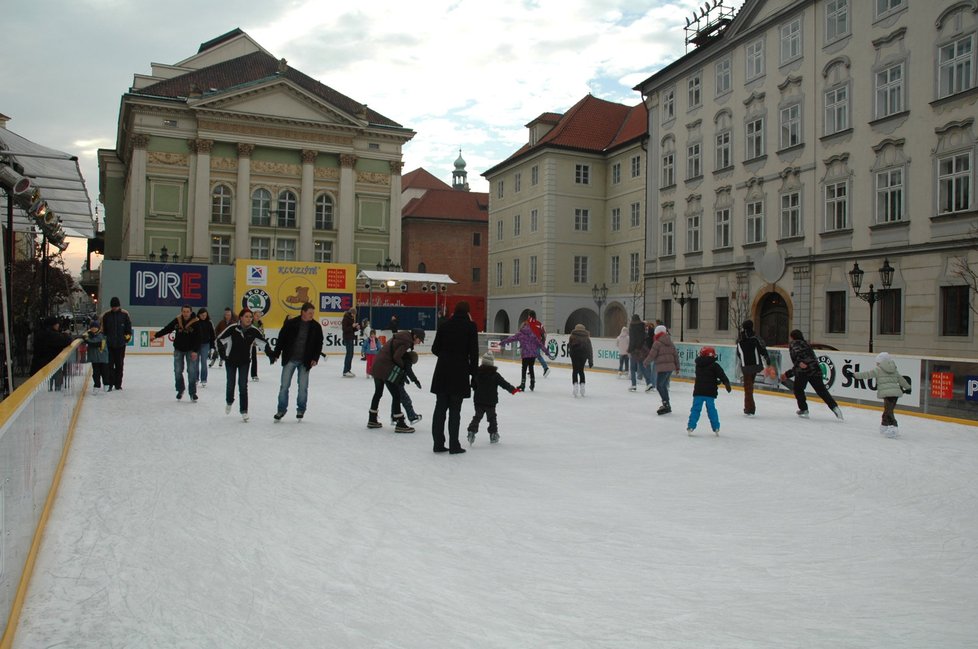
723 313
836 206
499 274
285 249
580 269
955 310
666 312
636 165
889 195
669 170
636 214
956 66
499 230
533 269
633 268
836 19
694 241
835 312
476 238
221 204
791 215
723 239
694 168
499 189
476 275
755 60
516 272
954 183
615 269
755 138
261 210
890 311
516 225
615 219
889 91
668 238
755 222
533 221
791 40
422 268
582 174
324 212
724 151
582 218
534 175
261 248
286 210
836 109
790 126
221 249
517 183
616 173
322 251
693 313
694 90
668 104
886 6
723 76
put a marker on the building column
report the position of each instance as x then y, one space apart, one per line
198 217
242 203
137 197
394 245
306 204
347 209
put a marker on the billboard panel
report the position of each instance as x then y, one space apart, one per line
279 288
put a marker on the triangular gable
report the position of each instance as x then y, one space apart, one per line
276 98
753 12
225 50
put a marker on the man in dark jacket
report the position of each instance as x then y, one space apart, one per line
117 327
806 369
48 343
350 327
299 344
456 345
637 350
752 356
186 345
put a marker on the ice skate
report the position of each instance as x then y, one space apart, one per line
802 413
582 390
227 409
838 413
716 431
300 415
546 372
632 389
493 438
244 417
95 390
649 388
278 416
577 390
689 431
471 437
664 409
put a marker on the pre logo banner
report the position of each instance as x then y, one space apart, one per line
167 284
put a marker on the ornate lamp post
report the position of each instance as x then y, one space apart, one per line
600 296
164 255
872 296
682 298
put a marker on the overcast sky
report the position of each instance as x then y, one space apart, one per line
463 74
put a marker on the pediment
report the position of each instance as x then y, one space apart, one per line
279 99
754 12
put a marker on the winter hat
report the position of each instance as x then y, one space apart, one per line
418 333
578 327
94 323
115 302
661 329
487 359
708 351
882 356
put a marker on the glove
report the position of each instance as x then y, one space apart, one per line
906 391
418 383
590 365
272 358
514 391
128 337
729 389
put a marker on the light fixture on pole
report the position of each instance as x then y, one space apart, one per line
873 295
164 255
600 296
683 298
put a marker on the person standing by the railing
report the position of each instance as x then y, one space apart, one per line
117 327
48 343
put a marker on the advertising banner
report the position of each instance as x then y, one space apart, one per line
279 289
152 284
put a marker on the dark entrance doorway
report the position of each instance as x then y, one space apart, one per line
774 319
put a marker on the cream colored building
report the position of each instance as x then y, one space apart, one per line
231 154
566 213
806 136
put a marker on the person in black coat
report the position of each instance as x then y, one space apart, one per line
638 349
186 345
117 327
299 344
456 345
487 384
806 369
207 338
709 375
235 345
48 343
752 356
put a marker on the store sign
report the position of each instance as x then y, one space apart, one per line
167 284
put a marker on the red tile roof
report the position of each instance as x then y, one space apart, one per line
251 68
421 179
547 118
449 204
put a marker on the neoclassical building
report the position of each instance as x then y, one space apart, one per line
802 137
566 214
232 154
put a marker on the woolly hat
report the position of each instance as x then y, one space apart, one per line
94 323
418 333
708 351
661 329
115 302
579 327
882 356
487 359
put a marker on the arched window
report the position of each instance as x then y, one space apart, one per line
261 207
324 212
286 209
422 268
221 208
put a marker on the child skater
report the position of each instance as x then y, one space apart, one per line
487 384
410 359
530 345
580 350
369 348
98 356
235 345
709 375
890 384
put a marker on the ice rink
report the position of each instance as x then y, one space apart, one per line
593 523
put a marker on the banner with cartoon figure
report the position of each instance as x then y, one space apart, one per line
279 288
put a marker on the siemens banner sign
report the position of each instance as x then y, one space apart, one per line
167 284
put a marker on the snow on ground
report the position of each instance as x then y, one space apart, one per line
593 523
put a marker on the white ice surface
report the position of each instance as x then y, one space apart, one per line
593 523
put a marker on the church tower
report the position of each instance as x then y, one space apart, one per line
459 182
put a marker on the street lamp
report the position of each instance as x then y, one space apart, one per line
600 296
872 296
682 298
164 255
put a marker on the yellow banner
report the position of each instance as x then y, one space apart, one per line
280 288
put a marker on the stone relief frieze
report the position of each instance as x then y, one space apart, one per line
275 168
164 158
327 173
224 164
274 132
373 178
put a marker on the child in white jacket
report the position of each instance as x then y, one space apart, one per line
890 384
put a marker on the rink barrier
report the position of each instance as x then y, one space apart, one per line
37 422
940 387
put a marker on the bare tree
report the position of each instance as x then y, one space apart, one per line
637 290
967 272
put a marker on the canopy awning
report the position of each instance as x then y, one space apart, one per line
384 275
59 178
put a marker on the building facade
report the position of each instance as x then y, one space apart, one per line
802 137
566 216
233 154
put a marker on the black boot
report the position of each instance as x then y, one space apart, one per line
401 426
372 422
665 409
522 387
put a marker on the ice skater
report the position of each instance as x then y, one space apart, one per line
806 370
580 350
666 359
235 345
890 384
752 356
709 375
98 356
186 343
487 384
530 346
